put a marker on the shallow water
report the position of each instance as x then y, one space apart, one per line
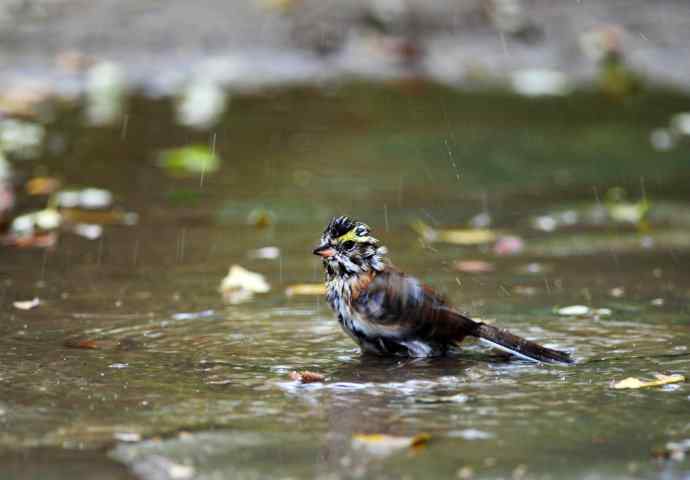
182 385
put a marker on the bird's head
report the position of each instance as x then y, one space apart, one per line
348 248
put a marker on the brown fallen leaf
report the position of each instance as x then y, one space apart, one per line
383 445
306 376
306 289
661 379
27 304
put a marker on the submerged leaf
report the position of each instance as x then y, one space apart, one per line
306 289
661 379
189 160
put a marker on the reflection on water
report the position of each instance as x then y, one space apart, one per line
175 384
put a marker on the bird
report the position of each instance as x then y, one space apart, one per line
389 313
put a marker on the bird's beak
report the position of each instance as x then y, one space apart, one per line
324 250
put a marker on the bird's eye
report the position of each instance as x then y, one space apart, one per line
348 245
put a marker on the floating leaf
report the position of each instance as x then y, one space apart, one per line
260 218
472 236
240 285
100 217
190 160
661 379
42 186
88 230
574 311
38 240
26 225
306 289
265 253
583 311
383 445
474 266
27 304
509 245
306 377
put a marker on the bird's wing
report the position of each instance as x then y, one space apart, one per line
395 300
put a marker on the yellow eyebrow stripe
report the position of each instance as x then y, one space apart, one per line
352 236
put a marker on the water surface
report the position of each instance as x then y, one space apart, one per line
182 385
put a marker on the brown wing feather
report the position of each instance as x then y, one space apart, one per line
401 303
393 298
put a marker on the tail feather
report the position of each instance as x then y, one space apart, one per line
518 346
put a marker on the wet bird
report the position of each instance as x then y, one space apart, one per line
390 313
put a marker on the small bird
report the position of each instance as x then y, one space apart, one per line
390 313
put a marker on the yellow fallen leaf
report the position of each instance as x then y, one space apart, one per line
466 236
306 289
382 444
661 379
42 185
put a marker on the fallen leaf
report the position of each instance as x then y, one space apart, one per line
260 218
306 376
38 240
509 245
88 230
190 160
265 253
661 379
474 266
470 236
383 445
42 185
240 285
574 311
583 311
47 219
100 217
27 304
306 289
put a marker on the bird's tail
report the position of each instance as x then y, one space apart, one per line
518 346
